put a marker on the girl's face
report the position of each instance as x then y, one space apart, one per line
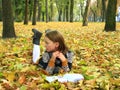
50 45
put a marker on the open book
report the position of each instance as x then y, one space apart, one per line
66 78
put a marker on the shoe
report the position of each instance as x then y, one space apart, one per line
36 37
37 34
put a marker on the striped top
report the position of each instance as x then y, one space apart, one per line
50 67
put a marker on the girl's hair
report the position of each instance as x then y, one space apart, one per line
55 36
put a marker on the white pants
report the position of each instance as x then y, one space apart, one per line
36 53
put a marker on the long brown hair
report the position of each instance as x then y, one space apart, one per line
56 36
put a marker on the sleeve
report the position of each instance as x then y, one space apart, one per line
47 64
67 65
50 67
43 62
70 56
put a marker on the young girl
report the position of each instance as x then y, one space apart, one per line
57 57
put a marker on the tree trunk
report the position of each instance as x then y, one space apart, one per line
8 22
30 9
34 13
103 10
85 18
110 23
60 14
67 11
30 15
51 10
39 10
46 7
81 7
94 17
43 18
64 14
26 12
0 11
71 10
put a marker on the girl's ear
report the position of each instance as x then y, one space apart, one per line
57 44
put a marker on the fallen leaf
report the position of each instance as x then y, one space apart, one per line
22 79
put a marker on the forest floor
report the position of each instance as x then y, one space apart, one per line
96 57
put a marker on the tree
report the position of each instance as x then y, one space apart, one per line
82 8
51 10
26 12
39 10
96 11
67 10
64 14
34 13
30 9
46 7
18 9
7 16
103 9
59 4
43 10
0 10
110 23
71 10
43 16
85 18
60 15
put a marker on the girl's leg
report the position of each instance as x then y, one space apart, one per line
36 53
36 42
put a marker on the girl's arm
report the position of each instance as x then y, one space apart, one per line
66 62
70 56
48 63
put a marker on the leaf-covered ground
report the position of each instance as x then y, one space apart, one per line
97 57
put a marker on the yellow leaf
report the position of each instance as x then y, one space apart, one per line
10 76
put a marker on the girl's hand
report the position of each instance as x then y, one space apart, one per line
61 56
55 54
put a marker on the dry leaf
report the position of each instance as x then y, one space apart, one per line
22 79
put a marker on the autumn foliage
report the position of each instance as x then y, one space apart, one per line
97 57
